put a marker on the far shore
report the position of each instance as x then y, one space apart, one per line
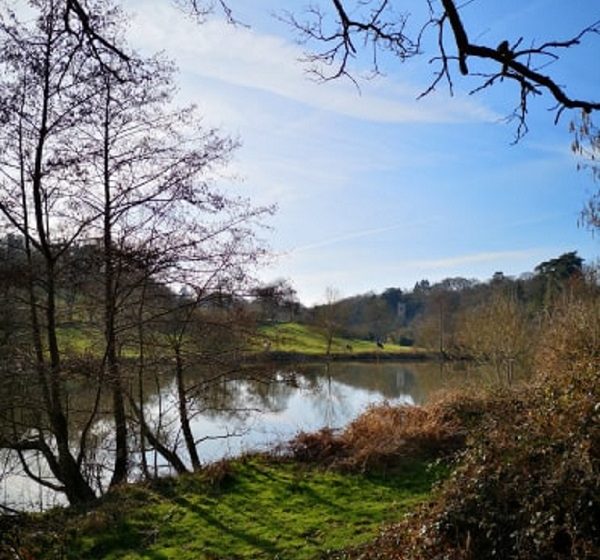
291 357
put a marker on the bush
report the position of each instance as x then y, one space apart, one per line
528 484
385 435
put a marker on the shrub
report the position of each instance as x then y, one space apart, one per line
385 435
528 483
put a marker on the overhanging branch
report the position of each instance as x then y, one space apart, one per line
373 23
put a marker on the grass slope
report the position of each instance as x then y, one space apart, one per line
254 508
293 338
306 339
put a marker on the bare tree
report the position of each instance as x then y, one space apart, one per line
146 165
327 317
338 32
45 73
275 301
498 332
158 202
436 328
93 157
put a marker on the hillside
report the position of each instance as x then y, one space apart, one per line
299 338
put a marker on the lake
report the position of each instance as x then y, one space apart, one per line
240 415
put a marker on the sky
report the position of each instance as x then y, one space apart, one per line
375 188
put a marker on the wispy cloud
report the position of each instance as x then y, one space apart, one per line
349 236
244 57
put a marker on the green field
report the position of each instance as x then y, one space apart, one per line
257 509
292 338
83 340
306 339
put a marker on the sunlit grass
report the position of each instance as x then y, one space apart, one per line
88 341
306 339
259 510
80 340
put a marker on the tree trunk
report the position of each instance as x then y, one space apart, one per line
183 411
77 488
171 456
121 464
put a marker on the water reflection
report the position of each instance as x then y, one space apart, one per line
312 396
238 415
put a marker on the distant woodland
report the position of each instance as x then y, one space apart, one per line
452 316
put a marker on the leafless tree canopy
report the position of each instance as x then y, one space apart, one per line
379 26
107 197
337 31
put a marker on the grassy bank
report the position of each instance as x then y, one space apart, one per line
252 508
280 339
525 485
296 338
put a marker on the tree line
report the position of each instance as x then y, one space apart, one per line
494 321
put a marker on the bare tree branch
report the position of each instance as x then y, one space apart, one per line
529 80
201 9
376 32
377 26
73 8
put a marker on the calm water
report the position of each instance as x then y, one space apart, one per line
241 416
320 397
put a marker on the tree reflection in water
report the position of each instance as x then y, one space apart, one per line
244 413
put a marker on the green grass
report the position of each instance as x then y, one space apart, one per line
84 340
306 339
260 509
284 337
79 340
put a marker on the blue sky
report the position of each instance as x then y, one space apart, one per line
378 189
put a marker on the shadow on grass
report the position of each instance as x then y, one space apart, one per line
288 484
263 545
262 512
